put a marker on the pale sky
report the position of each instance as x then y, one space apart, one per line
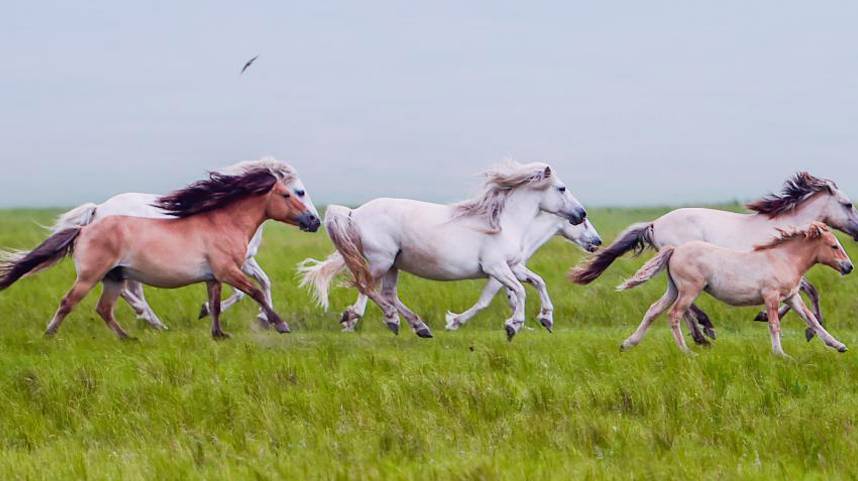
633 102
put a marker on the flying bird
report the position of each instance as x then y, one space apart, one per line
249 62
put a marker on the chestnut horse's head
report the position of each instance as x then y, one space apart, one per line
829 251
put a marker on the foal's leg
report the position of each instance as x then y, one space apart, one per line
651 315
680 308
503 274
455 321
546 312
78 291
214 290
798 305
388 290
134 296
109 295
354 313
772 303
233 276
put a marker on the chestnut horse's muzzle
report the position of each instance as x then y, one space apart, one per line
846 267
308 222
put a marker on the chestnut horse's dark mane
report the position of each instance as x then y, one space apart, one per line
216 192
797 189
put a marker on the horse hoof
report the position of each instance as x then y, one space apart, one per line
808 334
220 335
394 327
452 327
204 311
128 339
842 349
762 317
548 325
424 332
282 328
710 332
510 332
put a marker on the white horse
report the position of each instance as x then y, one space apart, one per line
142 205
805 199
479 238
544 228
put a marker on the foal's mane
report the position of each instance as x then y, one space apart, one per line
797 189
499 183
815 231
228 185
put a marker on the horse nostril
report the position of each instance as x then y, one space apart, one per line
598 242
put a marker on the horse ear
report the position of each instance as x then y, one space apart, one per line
546 173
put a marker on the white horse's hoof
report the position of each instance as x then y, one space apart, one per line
452 323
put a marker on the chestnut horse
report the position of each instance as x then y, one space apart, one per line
206 242
768 275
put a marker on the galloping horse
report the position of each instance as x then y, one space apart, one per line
207 242
804 199
143 205
768 275
544 227
479 238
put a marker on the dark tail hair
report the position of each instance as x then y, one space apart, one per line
636 237
15 265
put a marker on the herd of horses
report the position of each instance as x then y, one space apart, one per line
210 231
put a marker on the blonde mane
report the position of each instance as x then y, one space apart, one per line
815 231
501 181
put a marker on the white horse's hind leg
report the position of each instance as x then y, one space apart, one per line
798 306
136 298
354 313
455 321
503 274
546 312
388 290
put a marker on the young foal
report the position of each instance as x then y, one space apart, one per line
768 275
208 243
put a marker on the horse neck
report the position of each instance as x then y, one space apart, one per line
244 215
798 254
807 213
540 232
520 211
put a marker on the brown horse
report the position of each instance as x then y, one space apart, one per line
768 275
206 242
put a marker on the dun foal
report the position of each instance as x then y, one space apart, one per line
207 242
768 275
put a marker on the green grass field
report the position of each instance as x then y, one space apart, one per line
320 404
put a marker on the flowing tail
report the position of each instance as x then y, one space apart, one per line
636 237
345 235
79 216
15 265
649 270
318 275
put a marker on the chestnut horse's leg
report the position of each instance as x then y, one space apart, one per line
813 295
78 291
772 304
214 289
112 289
687 294
798 305
652 314
233 276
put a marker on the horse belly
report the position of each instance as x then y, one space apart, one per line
439 266
167 272
735 295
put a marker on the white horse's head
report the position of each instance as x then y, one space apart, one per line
554 197
583 234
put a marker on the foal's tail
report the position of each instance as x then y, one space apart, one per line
318 275
79 216
636 237
345 235
649 270
15 265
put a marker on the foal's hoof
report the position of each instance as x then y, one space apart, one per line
204 311
547 324
842 349
424 332
282 328
393 326
510 332
808 334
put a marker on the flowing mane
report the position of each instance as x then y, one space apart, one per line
231 183
499 183
797 189
815 231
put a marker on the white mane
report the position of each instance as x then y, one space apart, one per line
279 168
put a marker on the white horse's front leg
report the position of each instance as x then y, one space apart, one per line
798 306
501 272
455 321
134 296
546 313
354 313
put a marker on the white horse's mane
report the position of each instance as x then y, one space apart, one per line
280 169
500 182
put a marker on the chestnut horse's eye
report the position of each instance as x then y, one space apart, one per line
300 193
834 247
286 195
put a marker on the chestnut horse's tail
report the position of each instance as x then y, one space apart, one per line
649 270
345 235
636 237
318 275
15 265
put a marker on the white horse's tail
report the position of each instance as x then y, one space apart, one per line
318 275
345 235
649 270
78 217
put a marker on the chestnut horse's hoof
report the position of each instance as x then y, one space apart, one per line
393 326
548 325
220 335
424 332
282 328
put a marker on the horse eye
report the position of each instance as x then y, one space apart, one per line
286 195
848 205
562 189
300 193
834 247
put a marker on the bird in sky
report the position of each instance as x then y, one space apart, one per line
249 62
